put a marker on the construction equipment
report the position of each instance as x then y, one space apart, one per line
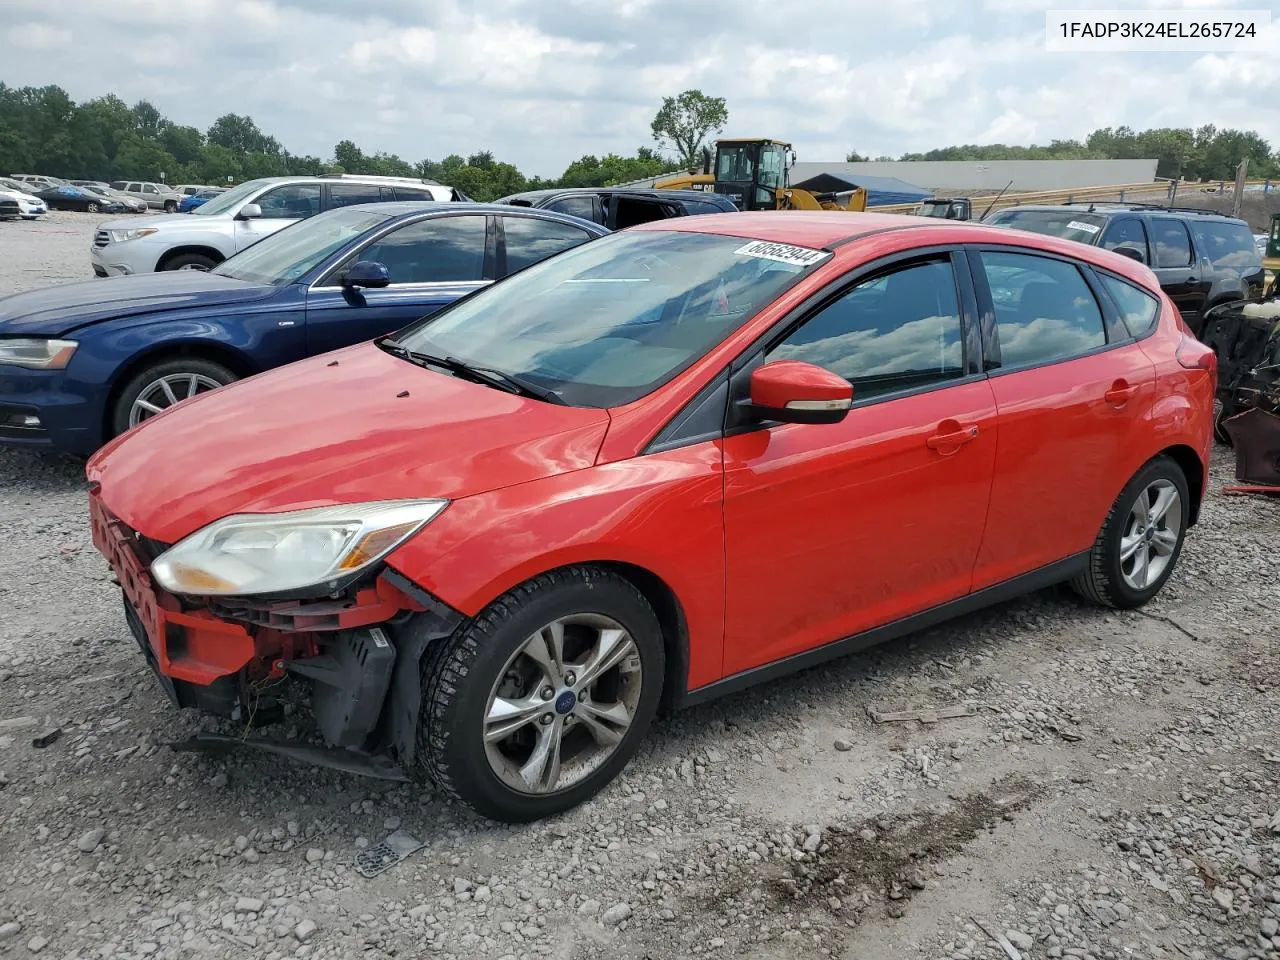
1272 260
755 175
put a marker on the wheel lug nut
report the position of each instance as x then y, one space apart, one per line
570 679
546 719
547 693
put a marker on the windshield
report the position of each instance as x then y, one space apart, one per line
229 199
285 256
610 321
1068 224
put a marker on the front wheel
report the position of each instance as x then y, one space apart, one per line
542 699
1141 539
170 206
164 384
92 208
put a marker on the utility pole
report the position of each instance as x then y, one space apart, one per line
1238 200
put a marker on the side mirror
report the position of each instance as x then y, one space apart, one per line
1133 253
250 211
367 273
791 391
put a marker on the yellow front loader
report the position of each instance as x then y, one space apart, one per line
755 175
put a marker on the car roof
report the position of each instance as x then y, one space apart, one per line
829 229
1115 207
404 208
647 191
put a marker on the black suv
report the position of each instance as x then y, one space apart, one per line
1201 258
620 207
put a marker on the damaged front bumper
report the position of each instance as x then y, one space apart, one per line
359 654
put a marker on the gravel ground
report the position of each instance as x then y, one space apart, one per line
1114 793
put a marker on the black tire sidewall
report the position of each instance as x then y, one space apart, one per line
1162 468
473 778
195 259
129 392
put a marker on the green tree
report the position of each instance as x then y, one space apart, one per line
683 123
854 157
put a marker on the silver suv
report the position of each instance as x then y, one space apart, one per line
157 196
238 218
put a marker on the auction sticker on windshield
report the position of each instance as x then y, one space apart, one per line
782 253
1089 228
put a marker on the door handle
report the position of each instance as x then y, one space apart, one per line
1119 393
956 437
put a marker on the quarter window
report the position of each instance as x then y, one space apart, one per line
530 239
1138 308
1045 311
581 206
1173 245
443 250
896 332
1229 246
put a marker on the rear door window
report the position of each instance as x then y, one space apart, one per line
1045 311
1230 247
346 194
579 206
1171 241
627 211
695 207
530 239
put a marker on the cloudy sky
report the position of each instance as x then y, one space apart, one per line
542 82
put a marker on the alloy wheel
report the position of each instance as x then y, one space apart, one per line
563 703
165 391
1151 534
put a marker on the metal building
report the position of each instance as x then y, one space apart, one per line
974 175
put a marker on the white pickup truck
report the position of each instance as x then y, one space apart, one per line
225 225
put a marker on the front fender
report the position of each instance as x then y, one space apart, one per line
662 513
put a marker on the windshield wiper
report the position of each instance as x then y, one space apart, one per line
493 378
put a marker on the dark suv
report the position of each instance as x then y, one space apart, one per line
620 207
1201 258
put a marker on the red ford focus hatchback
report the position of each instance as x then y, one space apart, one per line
657 468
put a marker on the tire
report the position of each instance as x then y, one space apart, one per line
91 208
209 375
1112 581
170 206
461 675
190 261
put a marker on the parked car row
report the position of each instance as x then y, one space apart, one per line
17 202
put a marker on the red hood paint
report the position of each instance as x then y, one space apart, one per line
335 429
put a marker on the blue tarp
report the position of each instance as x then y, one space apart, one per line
881 191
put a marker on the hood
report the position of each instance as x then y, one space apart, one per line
344 427
57 310
137 223
16 195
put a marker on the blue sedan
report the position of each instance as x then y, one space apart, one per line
197 200
82 362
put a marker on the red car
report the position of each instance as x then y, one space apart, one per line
651 470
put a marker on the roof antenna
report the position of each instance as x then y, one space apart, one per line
1091 208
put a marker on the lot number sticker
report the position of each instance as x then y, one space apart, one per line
782 253
1089 228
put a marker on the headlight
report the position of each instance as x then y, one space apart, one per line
37 354
120 236
253 554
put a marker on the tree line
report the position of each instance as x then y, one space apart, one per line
1204 153
42 130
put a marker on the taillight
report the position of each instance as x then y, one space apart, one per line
1194 355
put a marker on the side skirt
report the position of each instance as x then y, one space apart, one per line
1049 576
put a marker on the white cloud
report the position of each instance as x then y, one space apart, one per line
541 83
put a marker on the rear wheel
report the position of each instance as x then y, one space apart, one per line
1141 539
164 384
541 700
91 207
